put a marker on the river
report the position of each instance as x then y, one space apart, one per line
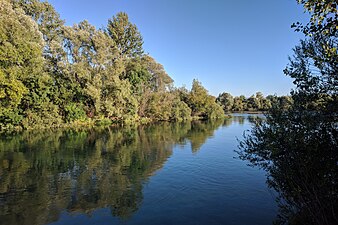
166 173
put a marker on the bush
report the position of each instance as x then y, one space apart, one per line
9 119
46 116
74 111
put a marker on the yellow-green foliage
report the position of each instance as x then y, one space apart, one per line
203 104
52 74
11 92
20 60
167 106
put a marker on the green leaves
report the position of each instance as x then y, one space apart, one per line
11 91
52 74
324 17
125 35
74 112
297 143
201 103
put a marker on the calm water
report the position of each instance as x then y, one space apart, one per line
178 173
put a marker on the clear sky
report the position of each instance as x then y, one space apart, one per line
236 46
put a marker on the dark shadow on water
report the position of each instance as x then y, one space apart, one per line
300 155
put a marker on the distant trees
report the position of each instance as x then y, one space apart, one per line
254 103
201 103
51 74
239 103
227 101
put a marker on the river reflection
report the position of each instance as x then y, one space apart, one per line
45 173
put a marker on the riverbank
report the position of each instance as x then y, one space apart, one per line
246 112
100 122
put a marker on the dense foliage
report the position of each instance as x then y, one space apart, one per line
297 146
52 74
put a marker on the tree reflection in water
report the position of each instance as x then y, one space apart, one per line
299 154
45 173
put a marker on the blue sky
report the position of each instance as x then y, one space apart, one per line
236 46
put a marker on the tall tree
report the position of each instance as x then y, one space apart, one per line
94 70
51 27
126 35
159 79
21 64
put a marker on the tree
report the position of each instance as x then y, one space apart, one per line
166 106
197 99
260 99
45 92
226 100
125 35
159 79
51 74
201 103
297 144
285 102
239 104
138 76
252 103
144 72
273 99
87 63
266 104
51 27
20 61
323 18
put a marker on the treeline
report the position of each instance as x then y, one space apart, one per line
52 74
254 103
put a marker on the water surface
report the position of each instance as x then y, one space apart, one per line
168 173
